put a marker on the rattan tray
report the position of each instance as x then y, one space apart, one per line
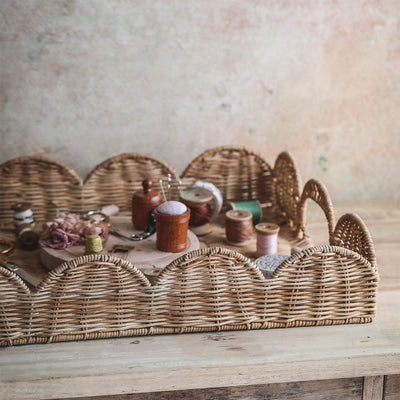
210 289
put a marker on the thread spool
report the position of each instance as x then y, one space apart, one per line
254 206
217 200
197 199
238 227
200 216
27 238
23 214
267 238
93 245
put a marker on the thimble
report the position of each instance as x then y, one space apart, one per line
94 245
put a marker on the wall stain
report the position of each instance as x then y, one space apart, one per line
3 99
322 137
39 47
226 106
322 164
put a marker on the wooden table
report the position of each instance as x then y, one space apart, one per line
330 362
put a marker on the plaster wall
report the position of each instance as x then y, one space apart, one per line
84 80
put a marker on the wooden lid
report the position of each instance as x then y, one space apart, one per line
19 207
239 215
196 197
147 196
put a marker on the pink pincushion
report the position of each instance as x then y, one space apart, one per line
172 207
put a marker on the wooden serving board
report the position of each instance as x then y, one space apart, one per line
143 254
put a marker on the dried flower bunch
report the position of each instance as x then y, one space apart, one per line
69 230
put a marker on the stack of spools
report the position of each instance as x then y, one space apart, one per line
24 223
253 206
240 219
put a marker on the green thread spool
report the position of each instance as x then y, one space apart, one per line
253 206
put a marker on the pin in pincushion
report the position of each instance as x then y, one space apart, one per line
172 221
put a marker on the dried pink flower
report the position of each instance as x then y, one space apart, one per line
95 227
57 238
69 230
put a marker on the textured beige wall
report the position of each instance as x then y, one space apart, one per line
84 80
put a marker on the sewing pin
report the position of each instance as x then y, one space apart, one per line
169 186
162 189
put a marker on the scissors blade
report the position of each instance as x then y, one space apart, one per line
26 276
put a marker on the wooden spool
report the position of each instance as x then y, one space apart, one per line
195 197
238 227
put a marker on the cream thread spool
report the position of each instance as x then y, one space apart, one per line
23 214
93 245
217 200
267 239
238 227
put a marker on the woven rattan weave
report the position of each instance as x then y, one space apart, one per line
52 187
205 290
210 289
238 173
47 184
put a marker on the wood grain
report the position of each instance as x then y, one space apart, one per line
347 389
392 387
373 387
195 361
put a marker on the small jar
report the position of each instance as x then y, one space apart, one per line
143 203
172 230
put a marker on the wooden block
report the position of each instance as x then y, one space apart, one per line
346 389
373 388
392 387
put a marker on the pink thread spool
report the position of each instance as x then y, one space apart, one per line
267 238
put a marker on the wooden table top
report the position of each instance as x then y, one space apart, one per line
188 361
